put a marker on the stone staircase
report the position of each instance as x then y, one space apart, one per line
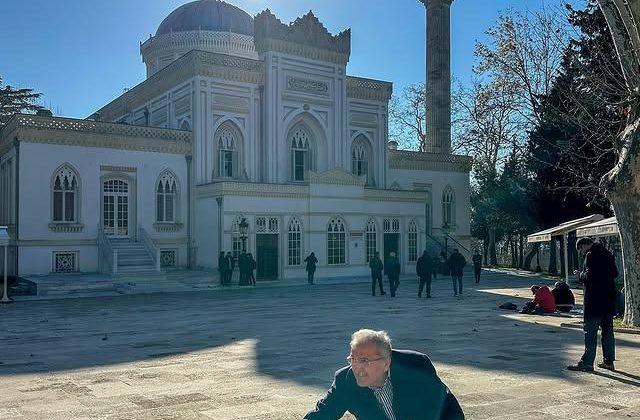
133 258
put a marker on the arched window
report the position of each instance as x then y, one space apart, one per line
448 208
412 236
371 239
65 195
361 158
226 153
294 241
336 239
166 198
301 153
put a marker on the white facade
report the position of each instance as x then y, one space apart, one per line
274 132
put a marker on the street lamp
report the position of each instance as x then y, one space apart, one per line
244 228
4 241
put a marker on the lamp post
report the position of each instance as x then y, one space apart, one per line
244 228
4 242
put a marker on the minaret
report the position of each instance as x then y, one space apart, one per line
438 81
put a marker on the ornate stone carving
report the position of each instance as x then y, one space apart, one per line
168 227
66 227
336 176
305 31
307 85
68 131
369 89
406 159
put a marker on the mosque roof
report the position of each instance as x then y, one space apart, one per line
207 15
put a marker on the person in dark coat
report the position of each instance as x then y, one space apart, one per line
598 277
563 296
376 266
456 265
382 383
222 268
477 265
424 270
392 270
311 262
231 264
251 265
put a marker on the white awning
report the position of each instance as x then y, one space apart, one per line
604 227
563 228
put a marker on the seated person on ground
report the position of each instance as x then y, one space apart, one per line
543 301
563 296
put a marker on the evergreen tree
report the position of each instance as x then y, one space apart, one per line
14 101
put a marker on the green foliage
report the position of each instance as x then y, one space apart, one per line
13 101
572 146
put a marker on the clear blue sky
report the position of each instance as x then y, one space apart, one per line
81 53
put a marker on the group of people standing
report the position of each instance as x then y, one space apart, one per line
246 265
426 269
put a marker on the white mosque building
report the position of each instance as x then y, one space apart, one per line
246 132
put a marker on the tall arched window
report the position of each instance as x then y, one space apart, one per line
294 242
301 153
361 158
371 239
412 236
336 239
448 207
65 195
166 198
228 145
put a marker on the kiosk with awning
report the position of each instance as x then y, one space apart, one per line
563 230
604 227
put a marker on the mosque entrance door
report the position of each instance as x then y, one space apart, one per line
267 256
391 244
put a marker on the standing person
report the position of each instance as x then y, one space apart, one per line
242 268
385 383
598 276
231 264
392 270
477 265
251 265
311 261
456 264
424 270
376 266
222 268
443 263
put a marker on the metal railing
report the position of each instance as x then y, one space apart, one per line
153 250
107 256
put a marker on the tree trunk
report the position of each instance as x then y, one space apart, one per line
622 187
492 246
553 268
529 257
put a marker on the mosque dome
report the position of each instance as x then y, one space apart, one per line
207 15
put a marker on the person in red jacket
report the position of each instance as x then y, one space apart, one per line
543 301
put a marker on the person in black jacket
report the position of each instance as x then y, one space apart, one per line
376 266
424 270
311 262
456 265
223 268
598 276
563 296
382 383
392 270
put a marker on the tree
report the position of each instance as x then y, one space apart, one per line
408 119
621 184
16 100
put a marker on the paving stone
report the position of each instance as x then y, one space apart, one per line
270 353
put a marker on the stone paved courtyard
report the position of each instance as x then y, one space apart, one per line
270 353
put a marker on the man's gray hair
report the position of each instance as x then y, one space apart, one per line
380 338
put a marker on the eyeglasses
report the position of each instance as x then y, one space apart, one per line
364 362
